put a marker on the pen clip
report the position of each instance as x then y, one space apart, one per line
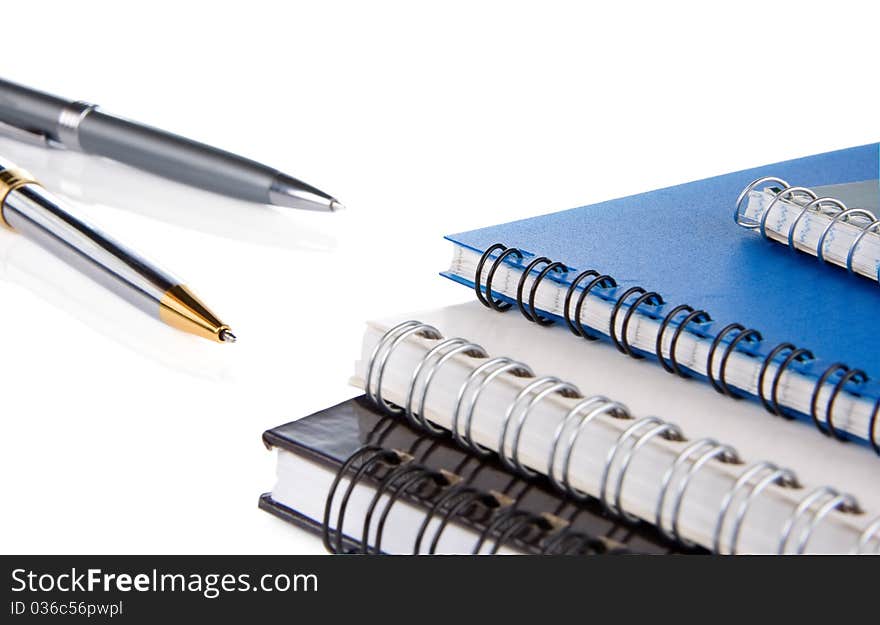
31 137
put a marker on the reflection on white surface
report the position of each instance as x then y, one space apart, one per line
31 267
102 182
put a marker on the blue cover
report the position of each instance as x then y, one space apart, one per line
683 243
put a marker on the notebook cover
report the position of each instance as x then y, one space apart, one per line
682 242
332 435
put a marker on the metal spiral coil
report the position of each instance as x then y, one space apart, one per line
707 449
424 373
833 500
576 420
520 408
379 358
583 411
838 210
870 533
766 473
790 192
765 181
468 397
669 431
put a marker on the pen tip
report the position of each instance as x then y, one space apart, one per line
227 337
336 205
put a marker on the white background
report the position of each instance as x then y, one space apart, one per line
119 435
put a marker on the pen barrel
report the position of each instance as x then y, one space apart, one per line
33 116
88 129
28 108
34 213
175 157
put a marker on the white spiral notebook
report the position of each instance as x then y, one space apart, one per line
704 470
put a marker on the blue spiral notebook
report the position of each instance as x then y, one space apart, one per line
668 275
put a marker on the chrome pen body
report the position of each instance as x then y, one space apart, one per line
28 209
30 115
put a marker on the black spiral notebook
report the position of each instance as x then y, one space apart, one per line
413 493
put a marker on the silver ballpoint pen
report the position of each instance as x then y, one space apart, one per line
28 209
36 117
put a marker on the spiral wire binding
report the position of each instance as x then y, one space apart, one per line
695 316
405 476
872 427
568 542
797 355
547 385
532 314
600 280
576 421
431 363
871 533
450 498
379 358
650 298
406 480
735 335
492 369
745 491
368 458
506 522
657 427
839 211
833 501
856 376
708 449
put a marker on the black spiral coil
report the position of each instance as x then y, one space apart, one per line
401 473
735 334
452 499
363 461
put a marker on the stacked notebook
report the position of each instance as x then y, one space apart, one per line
665 276
422 494
668 276
837 224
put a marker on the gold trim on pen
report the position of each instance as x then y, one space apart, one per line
181 309
10 180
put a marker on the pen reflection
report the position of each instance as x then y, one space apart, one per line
99 181
31 267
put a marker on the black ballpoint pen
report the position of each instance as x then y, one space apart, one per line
38 117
